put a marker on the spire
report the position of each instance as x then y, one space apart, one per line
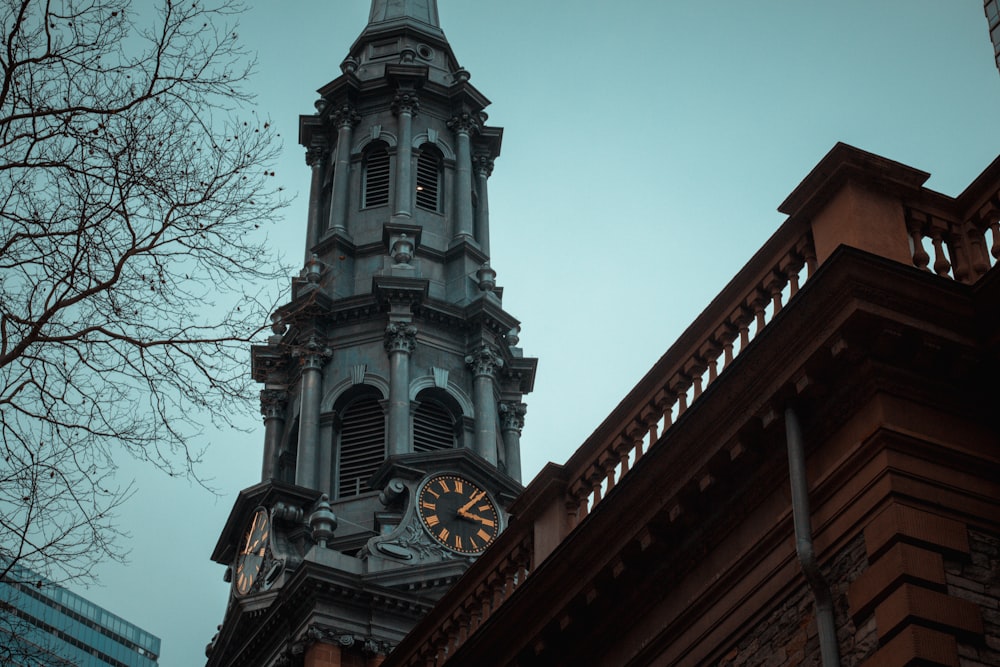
424 11
390 15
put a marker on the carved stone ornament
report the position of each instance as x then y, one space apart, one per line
273 403
512 415
487 277
485 361
407 101
483 164
464 122
322 521
345 117
313 354
402 249
400 337
317 152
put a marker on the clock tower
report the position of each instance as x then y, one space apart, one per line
392 381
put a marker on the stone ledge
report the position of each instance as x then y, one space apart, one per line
917 645
911 604
901 563
902 523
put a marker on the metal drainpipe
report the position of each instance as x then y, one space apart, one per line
829 650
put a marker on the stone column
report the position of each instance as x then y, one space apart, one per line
272 405
315 157
400 341
485 362
313 356
405 105
484 167
511 423
344 119
462 125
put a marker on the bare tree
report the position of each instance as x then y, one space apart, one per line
133 175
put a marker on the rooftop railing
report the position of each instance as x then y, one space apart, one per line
851 197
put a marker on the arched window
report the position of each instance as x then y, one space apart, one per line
434 424
375 176
362 443
429 173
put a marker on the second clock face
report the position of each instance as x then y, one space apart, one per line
250 559
458 514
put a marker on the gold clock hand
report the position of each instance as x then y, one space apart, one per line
475 499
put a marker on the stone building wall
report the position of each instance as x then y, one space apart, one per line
977 579
788 636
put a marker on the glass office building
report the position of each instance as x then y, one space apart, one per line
43 624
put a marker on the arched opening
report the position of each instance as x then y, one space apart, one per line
361 440
375 176
429 178
436 422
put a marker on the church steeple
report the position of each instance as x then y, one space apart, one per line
415 12
393 372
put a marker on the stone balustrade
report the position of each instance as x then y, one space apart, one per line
850 198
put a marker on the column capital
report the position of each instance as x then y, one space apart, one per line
512 415
485 361
313 354
483 164
465 122
400 337
406 101
345 117
317 152
273 403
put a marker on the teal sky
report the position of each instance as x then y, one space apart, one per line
647 145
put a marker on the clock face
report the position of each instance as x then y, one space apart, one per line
458 514
250 559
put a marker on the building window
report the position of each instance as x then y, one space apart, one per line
429 174
375 176
433 425
362 444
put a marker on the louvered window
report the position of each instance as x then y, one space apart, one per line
362 445
429 179
375 185
433 427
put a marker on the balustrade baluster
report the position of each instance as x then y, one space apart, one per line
758 310
609 466
682 400
956 243
995 232
941 263
775 286
698 372
596 480
668 411
977 241
809 252
920 257
744 326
